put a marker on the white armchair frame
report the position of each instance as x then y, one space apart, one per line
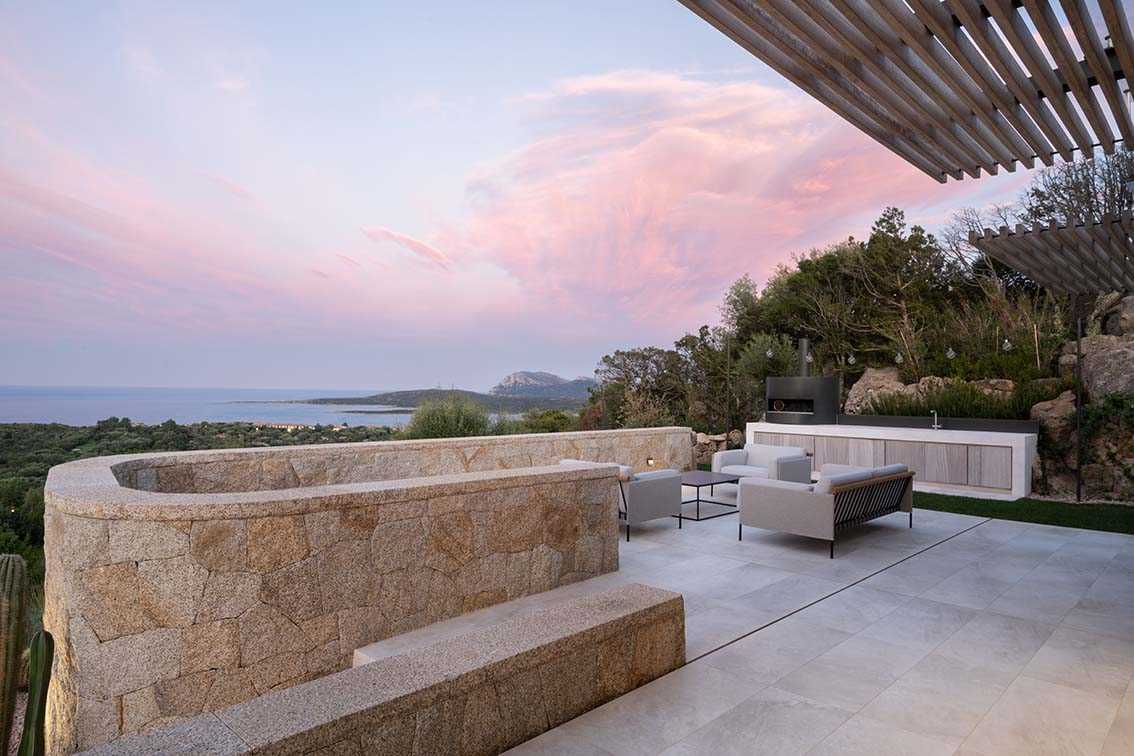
781 462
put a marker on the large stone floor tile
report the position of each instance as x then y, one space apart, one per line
918 574
938 698
1039 717
852 673
771 722
862 736
1094 663
969 587
558 742
655 716
996 647
711 628
786 595
730 583
920 623
1036 600
764 657
854 608
1120 737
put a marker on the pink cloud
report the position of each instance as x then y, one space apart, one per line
349 260
238 190
421 249
646 194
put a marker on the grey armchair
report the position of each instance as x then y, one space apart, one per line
765 461
643 496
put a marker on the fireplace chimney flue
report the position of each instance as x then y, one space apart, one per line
804 365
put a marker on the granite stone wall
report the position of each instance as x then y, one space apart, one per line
477 693
185 583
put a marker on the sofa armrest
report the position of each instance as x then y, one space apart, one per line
730 457
797 469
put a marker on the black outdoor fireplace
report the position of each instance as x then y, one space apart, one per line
803 399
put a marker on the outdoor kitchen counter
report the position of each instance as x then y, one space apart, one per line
984 464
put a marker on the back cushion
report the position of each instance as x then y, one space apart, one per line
761 455
827 482
890 470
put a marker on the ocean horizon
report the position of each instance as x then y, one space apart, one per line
86 405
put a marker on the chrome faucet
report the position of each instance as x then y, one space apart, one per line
936 424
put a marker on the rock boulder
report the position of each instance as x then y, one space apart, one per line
874 382
1056 416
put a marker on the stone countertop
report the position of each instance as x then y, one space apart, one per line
890 433
88 488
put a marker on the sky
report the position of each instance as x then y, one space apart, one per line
382 196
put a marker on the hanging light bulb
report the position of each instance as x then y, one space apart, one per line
950 354
769 354
898 358
808 358
1007 345
851 360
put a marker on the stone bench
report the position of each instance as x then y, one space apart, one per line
477 692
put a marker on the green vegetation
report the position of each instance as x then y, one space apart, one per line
33 739
13 626
1115 518
966 400
453 416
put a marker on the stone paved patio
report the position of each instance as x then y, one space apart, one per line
964 635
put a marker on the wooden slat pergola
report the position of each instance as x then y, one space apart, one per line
1085 258
952 86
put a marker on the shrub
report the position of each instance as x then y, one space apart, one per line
451 417
966 400
548 421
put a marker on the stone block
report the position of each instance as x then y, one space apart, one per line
323 529
139 708
344 578
82 542
294 590
230 686
228 595
276 671
184 696
570 685
359 626
274 542
449 542
522 711
140 540
128 663
110 599
220 545
397 545
265 631
170 590
211 645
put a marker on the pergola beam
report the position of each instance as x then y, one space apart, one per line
953 86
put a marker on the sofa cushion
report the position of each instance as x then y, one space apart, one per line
773 483
745 471
827 482
761 455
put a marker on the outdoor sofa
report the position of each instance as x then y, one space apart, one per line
643 496
764 461
843 497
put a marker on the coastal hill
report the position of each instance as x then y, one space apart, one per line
539 384
517 392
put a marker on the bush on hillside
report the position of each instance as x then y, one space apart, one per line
451 417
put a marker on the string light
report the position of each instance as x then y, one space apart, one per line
898 358
950 354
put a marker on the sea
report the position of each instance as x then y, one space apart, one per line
86 405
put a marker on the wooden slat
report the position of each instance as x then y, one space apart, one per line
726 18
937 19
1080 19
1056 42
911 112
953 86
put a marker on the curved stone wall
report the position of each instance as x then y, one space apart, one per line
187 582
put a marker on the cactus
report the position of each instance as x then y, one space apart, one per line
13 622
39 678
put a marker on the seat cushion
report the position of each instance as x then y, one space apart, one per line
745 471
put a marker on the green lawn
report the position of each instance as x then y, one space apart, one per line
1115 518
